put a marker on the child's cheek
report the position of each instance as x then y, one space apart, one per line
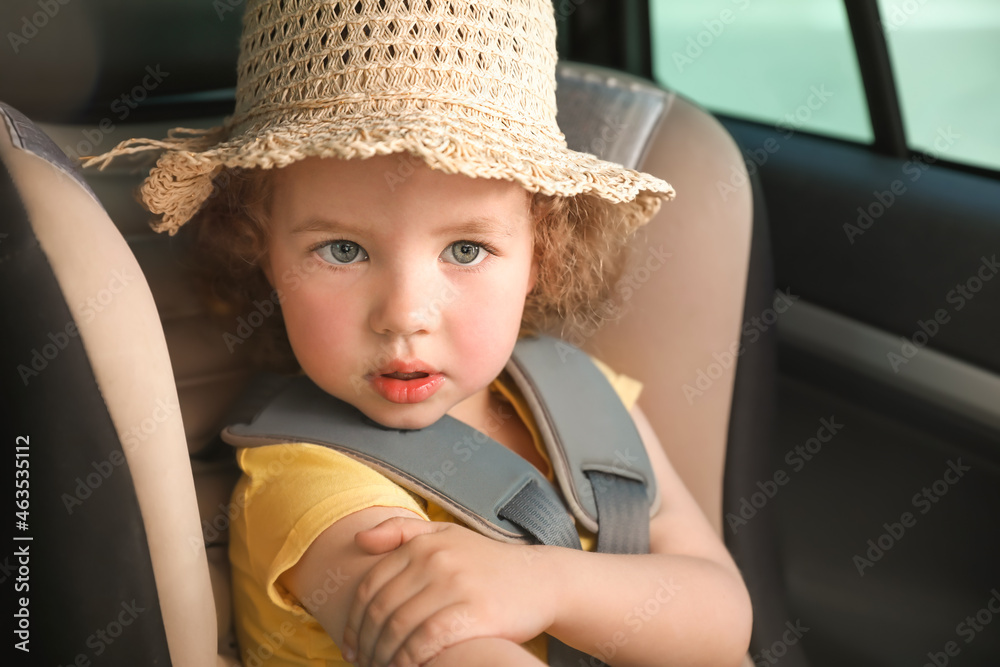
319 321
294 274
485 320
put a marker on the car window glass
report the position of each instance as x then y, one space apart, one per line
946 60
783 62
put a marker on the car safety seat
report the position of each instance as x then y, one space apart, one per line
121 379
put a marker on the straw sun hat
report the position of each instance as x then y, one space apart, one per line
468 86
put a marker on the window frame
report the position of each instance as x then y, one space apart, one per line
627 30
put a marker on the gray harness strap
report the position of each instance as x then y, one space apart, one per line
587 430
582 430
596 452
542 515
621 505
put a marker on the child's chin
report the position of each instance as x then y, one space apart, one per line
404 417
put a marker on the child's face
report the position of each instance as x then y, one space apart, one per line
402 288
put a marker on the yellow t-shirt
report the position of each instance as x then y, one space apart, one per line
287 496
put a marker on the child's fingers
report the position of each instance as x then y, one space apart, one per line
382 616
420 630
449 626
393 533
382 634
380 574
389 583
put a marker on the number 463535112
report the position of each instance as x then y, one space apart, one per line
21 453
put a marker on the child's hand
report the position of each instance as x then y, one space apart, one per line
443 584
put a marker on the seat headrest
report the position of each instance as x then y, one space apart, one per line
610 114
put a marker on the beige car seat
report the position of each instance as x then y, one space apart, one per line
131 515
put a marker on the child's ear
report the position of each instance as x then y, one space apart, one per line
532 274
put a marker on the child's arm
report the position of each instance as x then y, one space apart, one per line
486 652
685 603
334 564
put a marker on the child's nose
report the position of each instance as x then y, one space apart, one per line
406 303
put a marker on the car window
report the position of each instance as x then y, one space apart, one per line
783 62
946 60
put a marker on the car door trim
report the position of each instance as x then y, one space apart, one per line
941 379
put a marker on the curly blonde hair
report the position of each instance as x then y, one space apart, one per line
580 243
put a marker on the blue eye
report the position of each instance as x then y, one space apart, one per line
464 253
342 252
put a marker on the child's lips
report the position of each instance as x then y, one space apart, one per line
406 382
405 370
398 375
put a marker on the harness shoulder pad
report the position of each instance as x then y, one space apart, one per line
588 433
446 462
585 427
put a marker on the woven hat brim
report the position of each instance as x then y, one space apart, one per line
182 180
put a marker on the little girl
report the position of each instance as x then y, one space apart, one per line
394 173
